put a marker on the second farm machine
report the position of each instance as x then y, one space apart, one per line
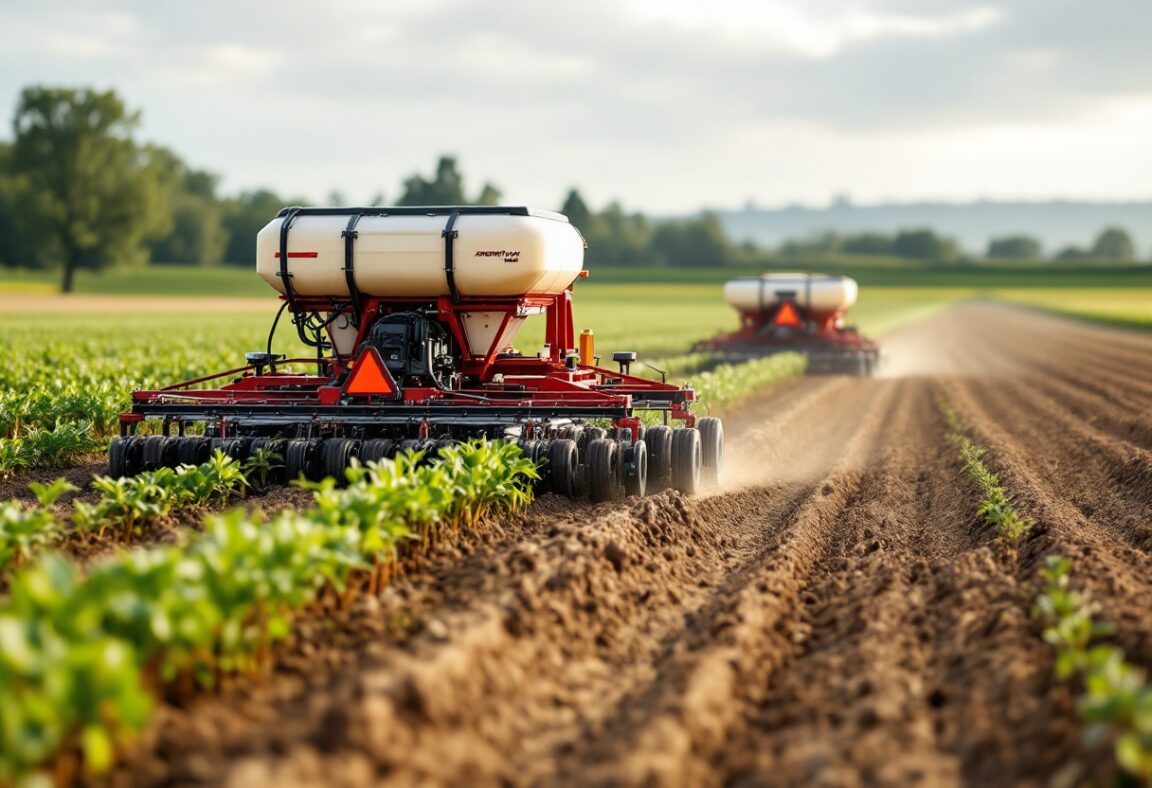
799 313
410 314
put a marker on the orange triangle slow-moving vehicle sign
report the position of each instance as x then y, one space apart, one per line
786 315
370 378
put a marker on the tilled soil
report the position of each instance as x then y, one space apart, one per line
835 615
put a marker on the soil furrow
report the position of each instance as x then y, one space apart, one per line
835 614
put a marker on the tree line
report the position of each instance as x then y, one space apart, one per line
78 190
1113 244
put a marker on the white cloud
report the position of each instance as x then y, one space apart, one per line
662 104
806 30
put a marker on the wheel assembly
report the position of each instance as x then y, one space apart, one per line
712 449
302 458
659 442
604 471
687 460
563 467
636 468
335 456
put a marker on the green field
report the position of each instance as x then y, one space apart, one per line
868 271
627 308
658 312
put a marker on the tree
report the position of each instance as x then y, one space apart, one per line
1015 247
244 217
197 234
1113 243
925 245
867 243
14 241
489 195
577 211
95 197
445 188
691 242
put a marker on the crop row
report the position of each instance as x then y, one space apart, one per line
728 385
83 654
996 509
65 379
125 505
1116 702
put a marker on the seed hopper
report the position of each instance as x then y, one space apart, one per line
410 313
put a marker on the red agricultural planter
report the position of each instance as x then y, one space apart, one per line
411 313
802 313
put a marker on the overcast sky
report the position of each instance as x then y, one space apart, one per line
667 105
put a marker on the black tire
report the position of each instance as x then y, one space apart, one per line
133 455
302 459
563 467
712 449
443 443
335 455
170 452
376 450
687 460
604 471
195 451
659 441
118 457
636 469
568 433
410 445
238 448
153 453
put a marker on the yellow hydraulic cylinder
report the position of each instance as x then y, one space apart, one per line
587 347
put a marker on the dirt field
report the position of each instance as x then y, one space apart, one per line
836 615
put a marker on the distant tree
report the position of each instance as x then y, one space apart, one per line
445 188
926 245
1071 254
244 217
94 196
867 243
1015 247
577 211
1113 243
693 242
621 237
489 195
823 243
337 198
15 241
197 234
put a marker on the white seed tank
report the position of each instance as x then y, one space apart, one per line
815 292
403 254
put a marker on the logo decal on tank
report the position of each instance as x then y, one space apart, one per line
504 254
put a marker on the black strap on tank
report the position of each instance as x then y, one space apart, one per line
350 235
449 236
284 274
